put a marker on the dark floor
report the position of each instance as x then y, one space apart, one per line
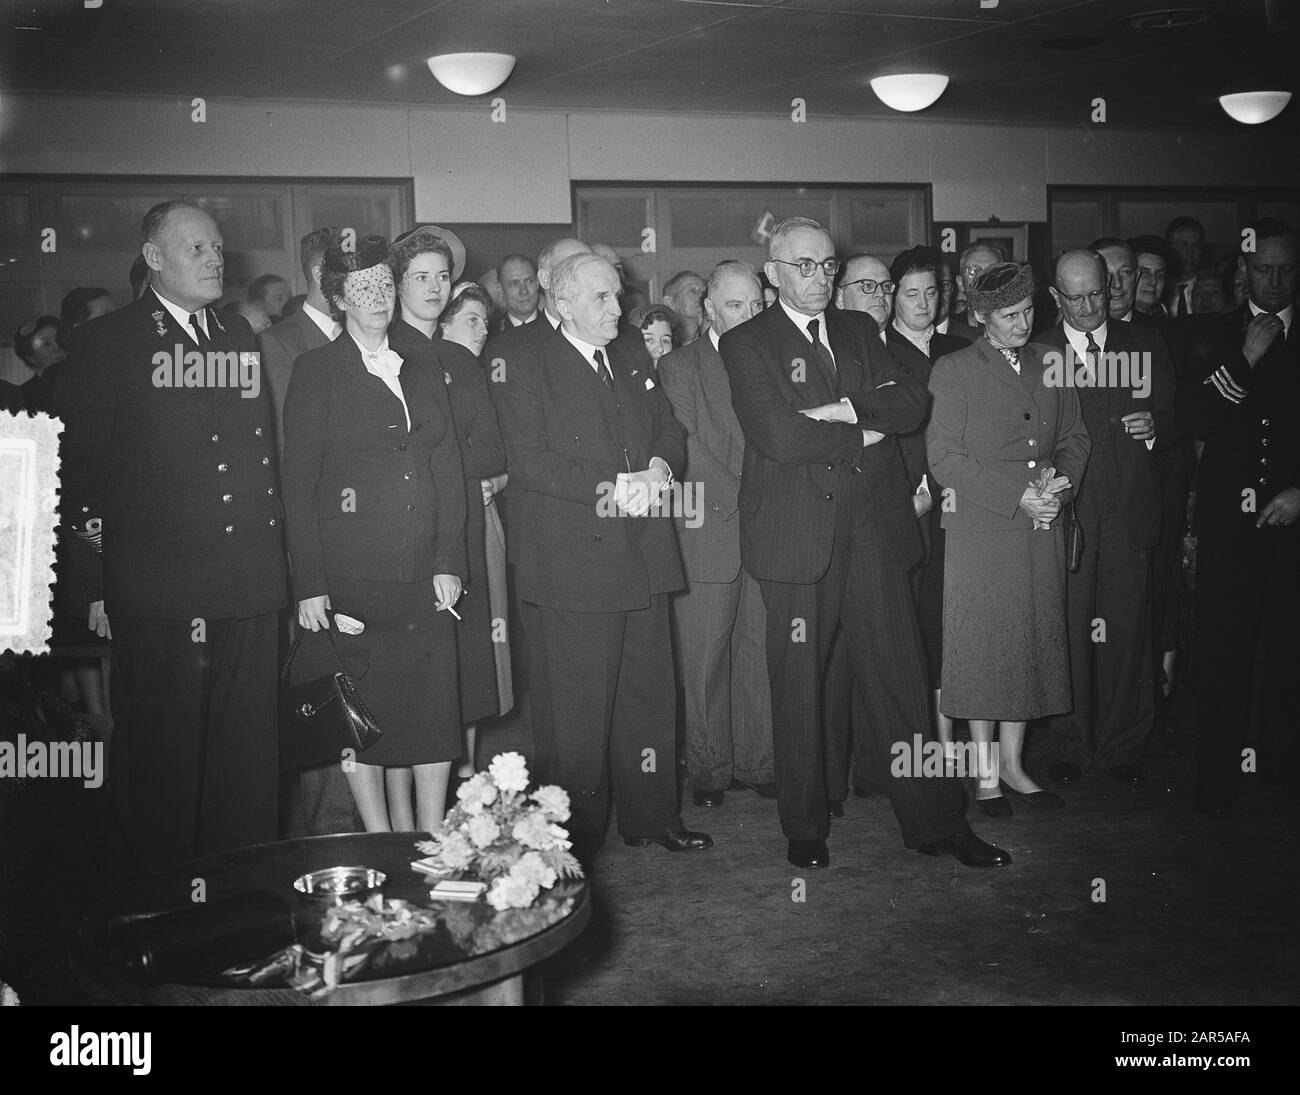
1195 911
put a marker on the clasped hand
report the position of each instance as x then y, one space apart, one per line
636 492
1041 499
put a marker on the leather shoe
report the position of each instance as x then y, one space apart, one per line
997 806
809 853
708 798
1065 772
676 839
1039 800
835 807
1127 773
969 849
762 790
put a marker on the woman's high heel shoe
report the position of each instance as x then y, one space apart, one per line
1039 800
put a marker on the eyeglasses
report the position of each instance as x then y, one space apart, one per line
869 286
830 267
1095 297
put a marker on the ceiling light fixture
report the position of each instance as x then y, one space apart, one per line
472 73
909 91
1254 107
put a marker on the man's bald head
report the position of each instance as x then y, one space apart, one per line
1080 289
858 274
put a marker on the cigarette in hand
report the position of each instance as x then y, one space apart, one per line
448 608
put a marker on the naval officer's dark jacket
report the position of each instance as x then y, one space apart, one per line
179 481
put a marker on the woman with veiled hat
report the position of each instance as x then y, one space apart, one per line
374 502
1008 449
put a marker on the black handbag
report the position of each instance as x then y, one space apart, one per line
322 717
1073 539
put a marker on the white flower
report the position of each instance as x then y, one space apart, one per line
482 830
455 851
554 801
532 830
509 892
476 793
534 869
509 772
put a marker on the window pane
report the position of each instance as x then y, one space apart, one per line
366 214
18 242
882 224
729 219
1075 223
617 220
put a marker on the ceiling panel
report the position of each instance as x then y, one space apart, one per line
738 56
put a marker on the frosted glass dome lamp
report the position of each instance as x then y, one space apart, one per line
909 91
472 73
1254 107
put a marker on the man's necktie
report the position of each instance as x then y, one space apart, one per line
203 340
1182 301
1092 355
602 370
823 354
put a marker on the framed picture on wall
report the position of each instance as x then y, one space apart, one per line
1013 239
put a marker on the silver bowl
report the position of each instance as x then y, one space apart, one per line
336 884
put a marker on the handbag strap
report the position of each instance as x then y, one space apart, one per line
293 649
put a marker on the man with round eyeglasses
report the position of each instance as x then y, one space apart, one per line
865 287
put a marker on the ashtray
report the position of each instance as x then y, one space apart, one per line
341 883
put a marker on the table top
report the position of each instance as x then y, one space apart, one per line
473 944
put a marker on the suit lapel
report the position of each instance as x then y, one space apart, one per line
796 349
1001 368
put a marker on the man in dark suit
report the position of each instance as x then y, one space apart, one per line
828 529
718 621
592 443
311 326
1126 389
174 468
520 285
318 801
1242 398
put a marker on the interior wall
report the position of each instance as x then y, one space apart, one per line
469 168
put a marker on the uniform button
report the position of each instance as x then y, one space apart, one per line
223 467
830 467
266 461
1264 460
1033 441
227 498
257 432
1027 416
215 438
230 530
1264 441
1263 421
1033 463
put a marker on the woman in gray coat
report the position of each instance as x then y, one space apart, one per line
1008 449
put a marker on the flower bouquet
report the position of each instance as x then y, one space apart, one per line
510 840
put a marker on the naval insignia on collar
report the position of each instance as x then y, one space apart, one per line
160 322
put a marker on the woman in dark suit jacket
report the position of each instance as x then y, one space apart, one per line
997 431
374 505
422 266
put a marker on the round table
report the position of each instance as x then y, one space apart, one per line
476 956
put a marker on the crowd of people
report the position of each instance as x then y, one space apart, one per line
846 508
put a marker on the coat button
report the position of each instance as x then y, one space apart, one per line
1264 441
830 498
230 530
596 537
830 467
223 467
227 498
406 475
266 461
401 447
271 522
215 438
270 490
1033 463
1263 421
1264 460
1027 416
1033 441
409 507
